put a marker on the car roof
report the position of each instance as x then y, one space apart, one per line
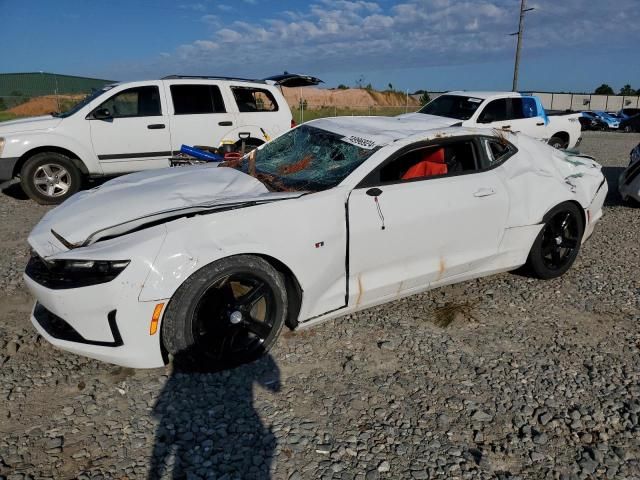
484 95
385 130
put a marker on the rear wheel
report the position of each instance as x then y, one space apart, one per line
557 142
50 178
558 243
226 314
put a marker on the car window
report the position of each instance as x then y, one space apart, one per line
452 158
134 102
497 151
524 107
452 106
196 99
495 111
251 99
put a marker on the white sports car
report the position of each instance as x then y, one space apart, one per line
629 181
332 217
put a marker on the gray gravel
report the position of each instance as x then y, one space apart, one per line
503 377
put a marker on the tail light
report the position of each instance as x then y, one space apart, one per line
293 123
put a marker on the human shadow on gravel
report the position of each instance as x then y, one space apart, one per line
208 426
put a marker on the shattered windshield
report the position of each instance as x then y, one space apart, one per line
305 159
452 106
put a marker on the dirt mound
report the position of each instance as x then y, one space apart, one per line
46 104
353 97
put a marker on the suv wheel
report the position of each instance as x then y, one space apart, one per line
50 178
557 142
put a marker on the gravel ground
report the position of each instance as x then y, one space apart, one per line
503 377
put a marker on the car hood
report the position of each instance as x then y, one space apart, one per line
130 202
45 122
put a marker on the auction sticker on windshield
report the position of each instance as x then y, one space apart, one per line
360 142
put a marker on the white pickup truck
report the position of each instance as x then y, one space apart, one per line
133 126
506 111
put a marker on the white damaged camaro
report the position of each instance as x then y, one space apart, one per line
332 217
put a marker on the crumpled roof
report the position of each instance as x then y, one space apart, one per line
382 130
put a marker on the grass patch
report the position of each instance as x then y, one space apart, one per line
323 112
4 116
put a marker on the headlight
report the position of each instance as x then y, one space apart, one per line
1 145
61 274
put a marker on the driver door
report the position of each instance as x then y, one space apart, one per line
130 130
408 234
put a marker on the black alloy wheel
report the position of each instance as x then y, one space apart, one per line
558 243
234 317
226 314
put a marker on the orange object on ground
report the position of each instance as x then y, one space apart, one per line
431 164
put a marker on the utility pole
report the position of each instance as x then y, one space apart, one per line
519 33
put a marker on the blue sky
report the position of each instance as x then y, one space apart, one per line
570 45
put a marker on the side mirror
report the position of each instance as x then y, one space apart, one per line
102 114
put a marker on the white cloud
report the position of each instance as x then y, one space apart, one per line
341 35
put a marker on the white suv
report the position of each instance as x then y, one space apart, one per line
134 126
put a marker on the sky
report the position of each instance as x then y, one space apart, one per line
569 45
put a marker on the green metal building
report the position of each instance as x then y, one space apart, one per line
42 83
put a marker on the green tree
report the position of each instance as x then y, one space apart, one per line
3 106
627 90
604 89
425 98
342 86
390 87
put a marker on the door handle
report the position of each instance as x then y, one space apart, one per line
225 124
484 192
156 126
540 124
506 127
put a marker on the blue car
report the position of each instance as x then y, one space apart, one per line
590 121
611 121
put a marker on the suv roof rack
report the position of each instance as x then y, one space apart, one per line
207 77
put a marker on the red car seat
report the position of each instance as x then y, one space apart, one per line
431 164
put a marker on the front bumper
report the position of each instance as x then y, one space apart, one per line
7 166
106 322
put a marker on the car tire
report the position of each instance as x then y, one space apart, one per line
211 322
628 129
50 178
557 142
558 243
